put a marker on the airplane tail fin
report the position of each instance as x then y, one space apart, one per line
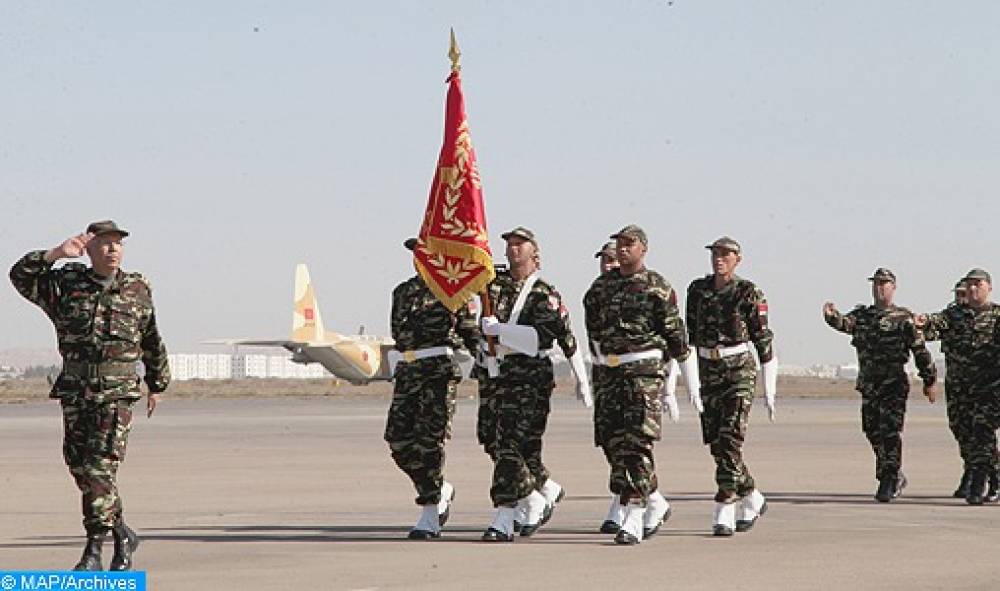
307 326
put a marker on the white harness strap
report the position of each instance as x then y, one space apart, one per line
522 297
491 362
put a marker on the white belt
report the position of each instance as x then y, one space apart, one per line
503 351
722 352
616 360
412 355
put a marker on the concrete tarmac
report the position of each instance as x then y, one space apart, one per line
301 493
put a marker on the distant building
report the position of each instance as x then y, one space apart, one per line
8 373
202 366
249 366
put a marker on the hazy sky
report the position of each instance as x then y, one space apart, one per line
235 139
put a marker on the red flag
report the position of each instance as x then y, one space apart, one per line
453 251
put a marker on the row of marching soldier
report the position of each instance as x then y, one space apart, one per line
635 333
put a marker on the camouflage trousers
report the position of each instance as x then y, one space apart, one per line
627 422
960 413
94 439
724 428
486 418
512 426
883 409
419 423
983 454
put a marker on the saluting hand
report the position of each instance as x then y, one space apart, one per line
70 248
829 309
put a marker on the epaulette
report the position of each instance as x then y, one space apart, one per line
130 277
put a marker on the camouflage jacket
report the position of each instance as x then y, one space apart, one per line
103 332
638 312
953 327
543 309
884 339
733 315
984 345
419 320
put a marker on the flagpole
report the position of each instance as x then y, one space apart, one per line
484 296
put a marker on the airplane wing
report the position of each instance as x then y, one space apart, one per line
254 343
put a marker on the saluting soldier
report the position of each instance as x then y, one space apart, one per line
885 335
632 318
726 314
105 325
528 321
953 326
426 376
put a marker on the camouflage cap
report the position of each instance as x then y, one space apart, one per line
106 227
520 232
410 243
608 249
725 243
978 273
883 274
632 231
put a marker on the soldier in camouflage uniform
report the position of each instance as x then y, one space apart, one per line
953 326
528 319
426 376
632 318
105 324
982 371
607 260
884 335
725 314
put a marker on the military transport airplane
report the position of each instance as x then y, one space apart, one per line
359 358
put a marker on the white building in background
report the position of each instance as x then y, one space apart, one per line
201 366
249 366
188 366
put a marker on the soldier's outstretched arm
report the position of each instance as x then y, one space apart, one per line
836 320
933 325
922 358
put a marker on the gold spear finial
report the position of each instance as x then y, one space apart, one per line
454 54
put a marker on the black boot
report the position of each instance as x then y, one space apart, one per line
126 543
91 558
886 486
992 495
977 487
963 486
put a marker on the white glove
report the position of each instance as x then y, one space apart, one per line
689 369
519 337
673 372
491 326
770 373
584 394
670 403
583 390
669 393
